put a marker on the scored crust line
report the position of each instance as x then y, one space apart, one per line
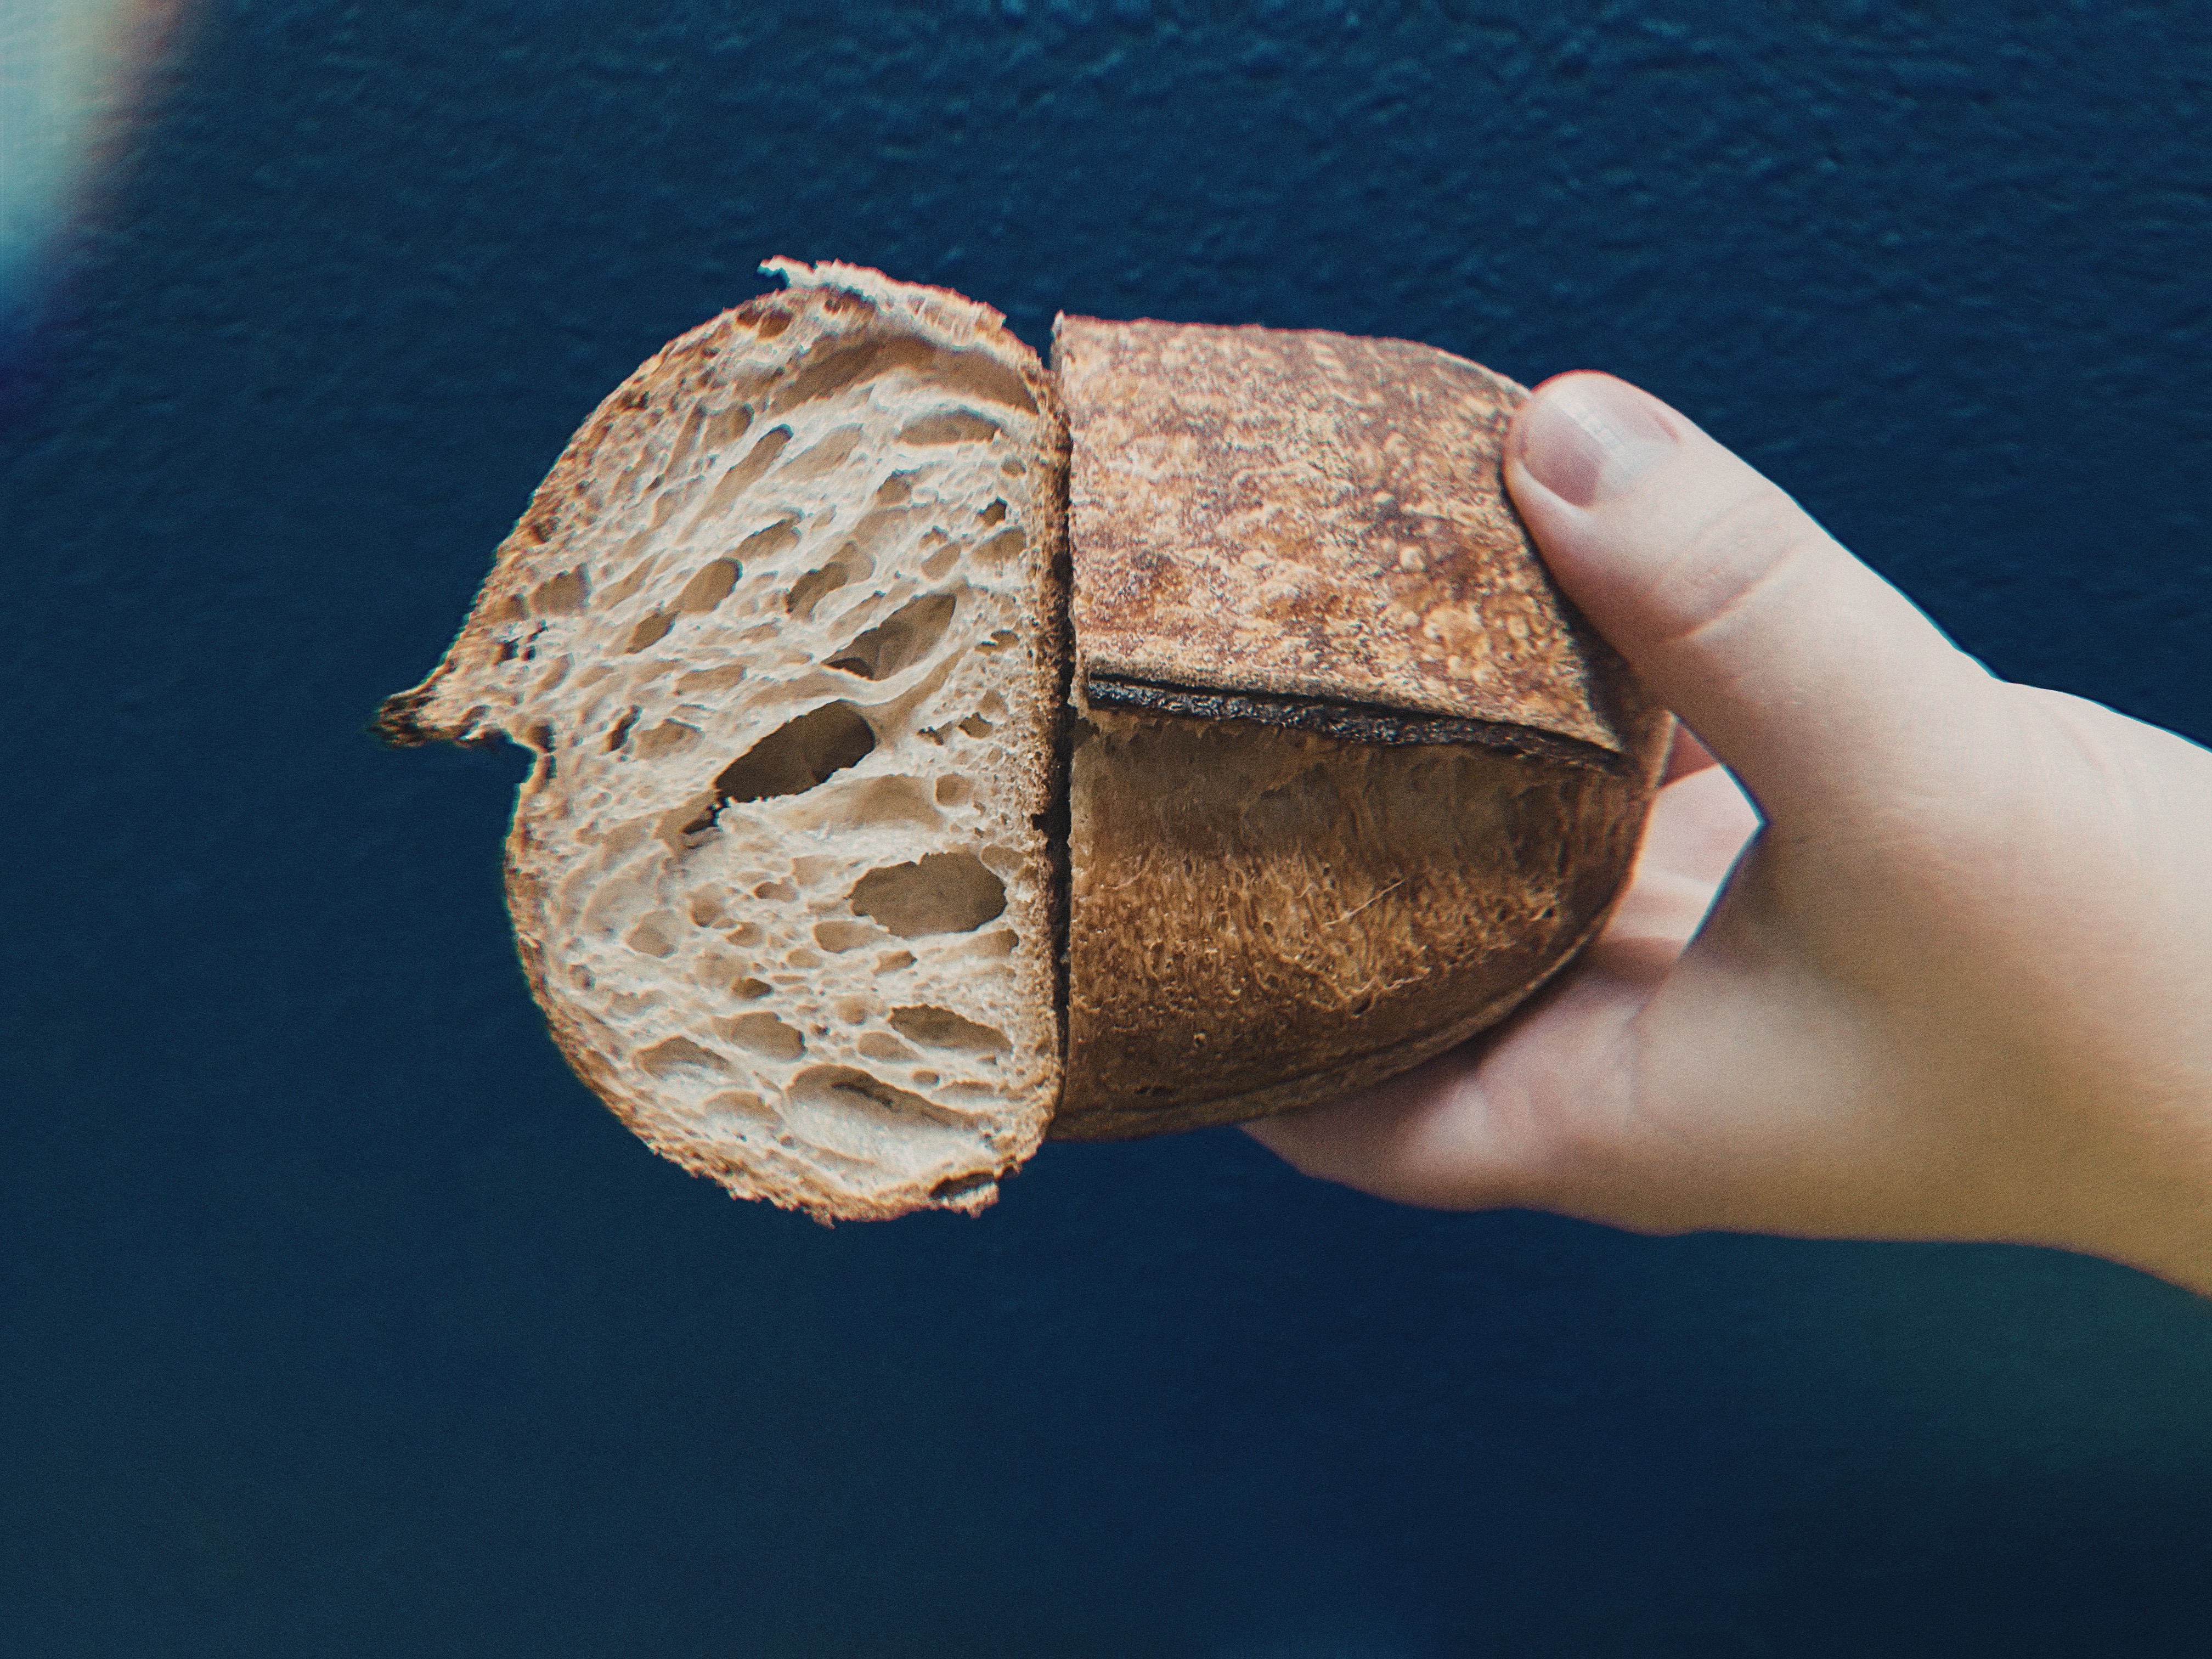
1347 721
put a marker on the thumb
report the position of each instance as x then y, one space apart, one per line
1810 675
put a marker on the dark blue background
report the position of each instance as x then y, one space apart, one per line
338 1319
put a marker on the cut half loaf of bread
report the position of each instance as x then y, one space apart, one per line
1351 779
784 628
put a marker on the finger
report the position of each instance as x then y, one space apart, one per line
1814 679
1698 828
1686 755
1480 1127
1422 1137
1503 1121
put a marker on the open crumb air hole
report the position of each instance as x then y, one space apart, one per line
806 592
952 1189
650 632
941 1028
673 1059
849 1089
956 426
764 1035
709 586
943 893
906 636
799 755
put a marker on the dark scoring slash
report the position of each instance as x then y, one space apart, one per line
1348 722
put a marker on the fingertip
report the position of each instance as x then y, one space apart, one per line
1585 436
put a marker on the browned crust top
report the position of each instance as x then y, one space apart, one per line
1304 514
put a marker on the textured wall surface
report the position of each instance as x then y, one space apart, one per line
336 1319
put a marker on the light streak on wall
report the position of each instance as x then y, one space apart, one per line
70 71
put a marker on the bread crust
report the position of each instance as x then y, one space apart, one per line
1264 918
1314 515
1354 779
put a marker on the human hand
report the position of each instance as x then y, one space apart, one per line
1958 984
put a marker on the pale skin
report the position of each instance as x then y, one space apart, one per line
1927 956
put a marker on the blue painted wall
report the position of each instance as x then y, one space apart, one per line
336 1319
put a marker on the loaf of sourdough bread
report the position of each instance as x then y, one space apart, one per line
850 863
